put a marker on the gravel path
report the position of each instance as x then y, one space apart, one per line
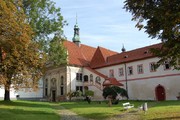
69 115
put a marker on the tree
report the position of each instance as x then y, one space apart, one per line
111 93
21 65
47 24
160 19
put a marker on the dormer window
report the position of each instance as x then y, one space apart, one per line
126 56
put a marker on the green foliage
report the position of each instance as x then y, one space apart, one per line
57 51
113 91
160 19
76 94
47 24
21 65
89 93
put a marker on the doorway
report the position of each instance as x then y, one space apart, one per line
160 93
53 95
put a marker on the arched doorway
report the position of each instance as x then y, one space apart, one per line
160 93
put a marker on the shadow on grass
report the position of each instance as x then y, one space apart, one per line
25 104
21 114
168 118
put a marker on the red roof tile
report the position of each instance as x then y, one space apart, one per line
96 72
80 56
112 81
100 56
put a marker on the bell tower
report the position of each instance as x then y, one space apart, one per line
76 38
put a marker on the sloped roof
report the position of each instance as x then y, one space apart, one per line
100 57
84 55
80 56
112 81
134 55
97 73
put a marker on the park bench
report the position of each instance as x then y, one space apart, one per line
127 105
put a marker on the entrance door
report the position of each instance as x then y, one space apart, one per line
53 95
160 93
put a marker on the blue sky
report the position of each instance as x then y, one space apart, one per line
103 23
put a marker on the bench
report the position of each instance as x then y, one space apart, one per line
127 105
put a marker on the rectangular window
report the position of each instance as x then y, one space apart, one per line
152 67
130 70
79 76
121 72
62 90
111 73
140 69
167 65
46 91
79 88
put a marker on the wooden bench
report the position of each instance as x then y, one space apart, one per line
127 105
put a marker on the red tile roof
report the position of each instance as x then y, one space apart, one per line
134 55
97 73
112 81
80 56
100 57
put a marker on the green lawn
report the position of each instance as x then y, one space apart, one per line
157 110
27 110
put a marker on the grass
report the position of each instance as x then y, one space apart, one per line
157 110
27 110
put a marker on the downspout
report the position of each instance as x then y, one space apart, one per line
69 78
126 79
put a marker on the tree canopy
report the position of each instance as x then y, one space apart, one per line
47 24
160 19
113 91
20 65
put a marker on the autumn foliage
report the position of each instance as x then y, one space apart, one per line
21 64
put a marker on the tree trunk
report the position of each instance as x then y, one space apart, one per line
7 92
110 102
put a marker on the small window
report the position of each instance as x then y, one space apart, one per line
91 77
85 78
79 76
46 91
152 67
121 72
62 80
80 88
98 80
46 87
62 90
167 65
140 69
130 70
111 73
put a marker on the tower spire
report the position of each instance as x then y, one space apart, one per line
76 38
123 49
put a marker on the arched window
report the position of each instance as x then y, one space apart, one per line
53 82
98 80
62 80
91 77
85 78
